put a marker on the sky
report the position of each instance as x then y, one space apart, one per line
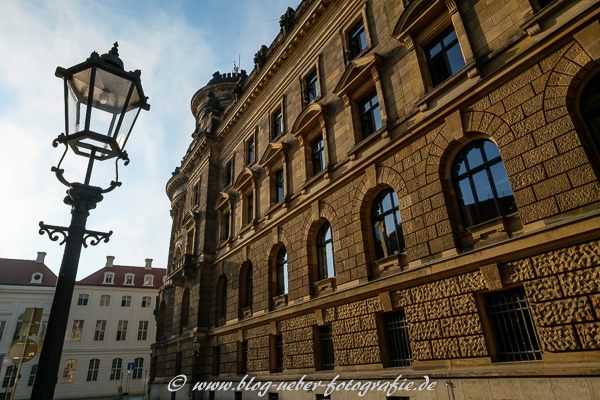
177 45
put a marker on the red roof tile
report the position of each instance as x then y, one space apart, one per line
20 272
97 278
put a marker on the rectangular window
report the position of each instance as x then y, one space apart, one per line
514 334
146 300
197 194
327 359
32 374
69 371
148 280
312 86
279 182
129 279
249 209
444 57
318 155
115 370
126 301
357 39
277 128
278 350
100 329
396 334
82 300
92 374
105 300
76 331
108 278
142 330
226 226
250 151
370 115
9 376
122 330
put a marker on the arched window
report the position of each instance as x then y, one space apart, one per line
221 300
387 225
185 311
590 108
139 366
325 262
481 183
281 272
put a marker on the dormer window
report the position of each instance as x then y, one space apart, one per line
129 279
109 278
148 280
37 278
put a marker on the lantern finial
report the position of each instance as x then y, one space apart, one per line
112 57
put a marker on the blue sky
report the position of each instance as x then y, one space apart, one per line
177 45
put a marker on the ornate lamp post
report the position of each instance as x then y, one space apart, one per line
102 102
196 348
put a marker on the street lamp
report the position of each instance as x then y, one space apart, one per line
102 102
196 348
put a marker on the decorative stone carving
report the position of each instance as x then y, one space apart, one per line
260 57
558 338
286 22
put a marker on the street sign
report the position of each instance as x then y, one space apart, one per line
16 351
33 316
130 366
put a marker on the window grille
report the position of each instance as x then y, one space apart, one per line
326 348
396 332
514 334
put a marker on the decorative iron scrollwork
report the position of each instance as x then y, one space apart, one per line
95 237
53 232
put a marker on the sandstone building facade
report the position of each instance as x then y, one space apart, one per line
398 187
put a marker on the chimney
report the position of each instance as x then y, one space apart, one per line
41 256
148 263
109 261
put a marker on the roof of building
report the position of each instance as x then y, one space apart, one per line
97 278
21 272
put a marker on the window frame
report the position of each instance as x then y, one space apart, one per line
139 366
116 369
126 301
398 330
105 300
142 331
281 272
100 330
324 271
146 301
83 299
129 279
325 348
360 16
77 330
69 371
369 115
109 278
122 331
378 201
276 123
277 344
93 368
32 374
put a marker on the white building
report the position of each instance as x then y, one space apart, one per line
23 284
111 324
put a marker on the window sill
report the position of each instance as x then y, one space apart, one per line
277 138
325 286
469 70
381 133
391 265
246 312
491 231
532 25
249 226
280 301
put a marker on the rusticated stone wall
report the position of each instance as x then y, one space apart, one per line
229 352
442 317
298 342
355 336
258 348
563 290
